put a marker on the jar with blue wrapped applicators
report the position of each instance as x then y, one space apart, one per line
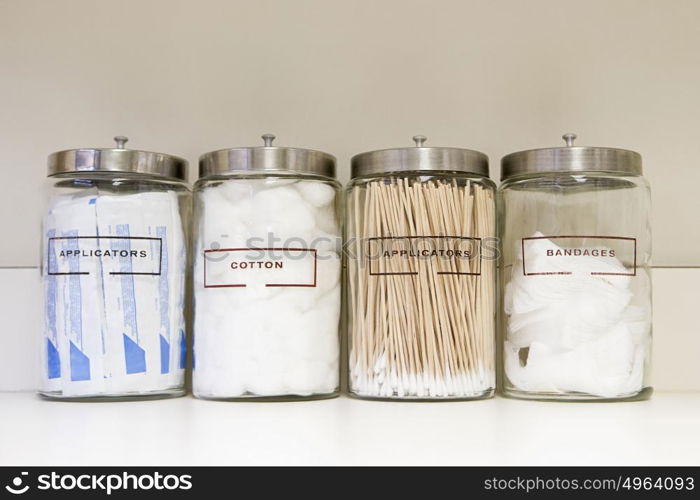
114 262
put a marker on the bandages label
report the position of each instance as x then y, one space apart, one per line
271 267
118 255
566 255
405 255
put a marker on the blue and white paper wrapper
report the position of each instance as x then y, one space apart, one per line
114 285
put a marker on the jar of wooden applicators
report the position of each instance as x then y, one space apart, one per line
421 255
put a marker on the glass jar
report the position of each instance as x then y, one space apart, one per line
421 254
575 277
114 258
267 274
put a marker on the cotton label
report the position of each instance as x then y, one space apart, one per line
271 267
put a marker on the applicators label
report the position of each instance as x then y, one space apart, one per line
566 255
405 255
270 267
145 254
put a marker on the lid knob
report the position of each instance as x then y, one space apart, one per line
268 138
569 138
121 140
419 140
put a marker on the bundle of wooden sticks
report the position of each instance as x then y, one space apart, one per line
421 327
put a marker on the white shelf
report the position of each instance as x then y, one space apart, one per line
341 431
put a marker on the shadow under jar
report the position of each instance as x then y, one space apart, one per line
114 261
575 277
267 288
421 253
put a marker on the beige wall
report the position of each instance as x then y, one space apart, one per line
349 76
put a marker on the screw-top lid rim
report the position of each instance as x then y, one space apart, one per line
267 159
419 159
117 160
571 158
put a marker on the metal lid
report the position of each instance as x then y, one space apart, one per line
267 158
571 159
420 158
118 159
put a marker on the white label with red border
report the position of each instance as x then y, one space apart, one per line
270 267
566 255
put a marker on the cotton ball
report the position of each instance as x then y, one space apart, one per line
325 242
331 379
215 274
217 372
238 197
282 339
224 222
328 272
259 291
241 212
328 349
265 385
301 380
301 344
327 318
286 317
310 377
316 193
264 378
327 220
327 312
237 192
301 299
212 302
282 212
218 379
221 236
211 200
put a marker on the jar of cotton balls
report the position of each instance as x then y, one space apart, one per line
114 261
421 262
576 284
267 274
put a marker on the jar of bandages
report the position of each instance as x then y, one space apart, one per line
421 260
267 287
575 277
113 264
